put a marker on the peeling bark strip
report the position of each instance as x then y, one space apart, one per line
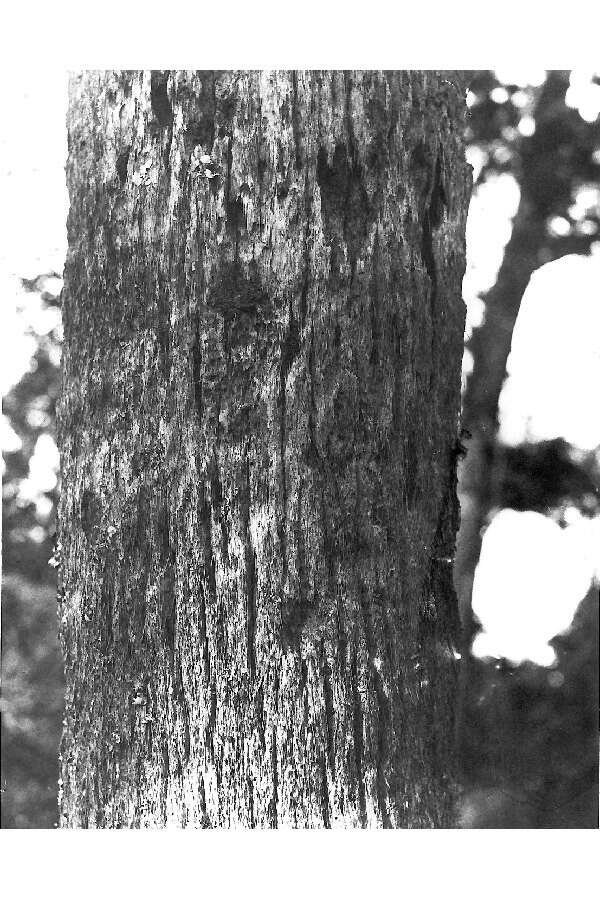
263 337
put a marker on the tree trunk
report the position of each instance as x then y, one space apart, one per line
261 372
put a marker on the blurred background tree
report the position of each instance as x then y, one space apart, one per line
528 732
554 155
32 684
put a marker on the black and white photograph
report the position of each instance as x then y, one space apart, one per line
301 447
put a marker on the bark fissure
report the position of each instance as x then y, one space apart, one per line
275 757
197 372
296 123
383 730
250 565
329 711
359 746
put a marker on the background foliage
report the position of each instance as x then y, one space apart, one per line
32 683
529 734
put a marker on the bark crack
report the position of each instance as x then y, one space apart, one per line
432 217
359 746
274 755
383 709
296 121
325 793
250 563
329 710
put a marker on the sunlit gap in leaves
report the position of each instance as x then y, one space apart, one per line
554 365
584 94
531 577
532 573
27 318
42 477
492 207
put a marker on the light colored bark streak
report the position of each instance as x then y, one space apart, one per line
261 389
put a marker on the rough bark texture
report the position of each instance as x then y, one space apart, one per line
263 337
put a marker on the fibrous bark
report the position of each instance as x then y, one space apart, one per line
263 336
